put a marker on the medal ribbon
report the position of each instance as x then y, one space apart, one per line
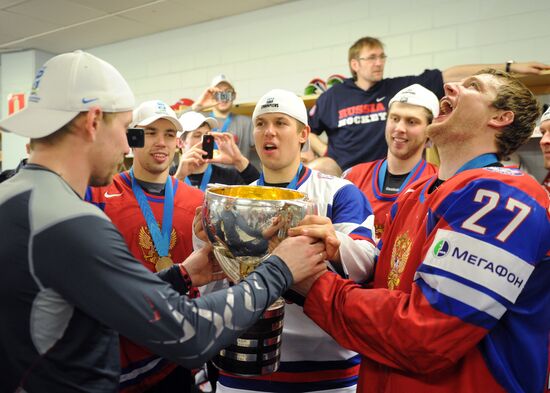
478 162
161 240
292 185
226 123
205 178
224 128
382 175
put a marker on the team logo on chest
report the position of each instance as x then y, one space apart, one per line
147 246
399 257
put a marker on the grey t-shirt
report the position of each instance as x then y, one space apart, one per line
70 284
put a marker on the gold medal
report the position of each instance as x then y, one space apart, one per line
163 263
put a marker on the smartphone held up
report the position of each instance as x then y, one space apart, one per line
208 146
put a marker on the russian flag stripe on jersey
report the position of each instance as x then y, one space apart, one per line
470 284
464 294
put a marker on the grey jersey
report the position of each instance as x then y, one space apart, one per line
70 284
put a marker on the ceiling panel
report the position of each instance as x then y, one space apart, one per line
60 12
11 25
168 15
111 6
63 25
88 36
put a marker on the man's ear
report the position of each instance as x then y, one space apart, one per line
354 64
501 119
92 122
304 134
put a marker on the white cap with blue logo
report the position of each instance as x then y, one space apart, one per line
151 111
66 85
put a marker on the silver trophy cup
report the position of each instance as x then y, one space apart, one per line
244 224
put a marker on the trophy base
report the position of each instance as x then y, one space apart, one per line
258 351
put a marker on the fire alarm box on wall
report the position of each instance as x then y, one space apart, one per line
16 102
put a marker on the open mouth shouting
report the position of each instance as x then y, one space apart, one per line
446 107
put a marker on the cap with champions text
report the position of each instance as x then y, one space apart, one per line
63 87
282 101
417 95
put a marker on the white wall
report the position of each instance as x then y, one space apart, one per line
17 74
288 45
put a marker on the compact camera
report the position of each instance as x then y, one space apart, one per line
136 137
224 96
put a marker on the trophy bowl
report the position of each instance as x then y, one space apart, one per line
244 225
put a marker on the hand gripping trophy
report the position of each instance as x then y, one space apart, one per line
244 224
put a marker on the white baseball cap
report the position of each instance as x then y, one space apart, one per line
66 85
192 120
150 111
418 95
219 79
281 101
545 115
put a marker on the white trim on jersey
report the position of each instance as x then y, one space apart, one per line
464 294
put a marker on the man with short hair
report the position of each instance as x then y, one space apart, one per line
545 146
219 99
127 201
411 110
72 284
198 171
353 113
461 297
310 359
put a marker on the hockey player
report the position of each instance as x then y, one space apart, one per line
72 285
126 201
467 255
382 181
310 359
545 145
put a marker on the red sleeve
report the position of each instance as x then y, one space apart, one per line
390 327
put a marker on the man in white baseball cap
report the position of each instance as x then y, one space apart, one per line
132 194
198 171
411 110
217 101
544 128
280 130
72 283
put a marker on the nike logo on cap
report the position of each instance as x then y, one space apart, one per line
380 99
88 100
107 195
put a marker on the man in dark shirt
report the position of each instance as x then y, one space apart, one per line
353 113
382 181
70 283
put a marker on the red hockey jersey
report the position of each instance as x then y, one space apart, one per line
461 299
369 178
141 368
